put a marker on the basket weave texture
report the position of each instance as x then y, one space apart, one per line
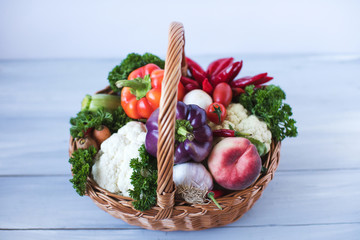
171 214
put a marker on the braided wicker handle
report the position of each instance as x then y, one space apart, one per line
175 64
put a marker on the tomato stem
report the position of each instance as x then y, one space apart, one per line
218 111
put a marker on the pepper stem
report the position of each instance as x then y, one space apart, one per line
139 86
184 132
211 196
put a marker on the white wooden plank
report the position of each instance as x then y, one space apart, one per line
323 197
314 232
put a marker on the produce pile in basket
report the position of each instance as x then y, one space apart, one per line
224 127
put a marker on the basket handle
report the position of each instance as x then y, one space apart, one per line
175 65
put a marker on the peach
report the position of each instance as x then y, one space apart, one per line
234 163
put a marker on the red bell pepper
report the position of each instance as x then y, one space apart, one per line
141 93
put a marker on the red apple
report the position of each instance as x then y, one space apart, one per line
234 163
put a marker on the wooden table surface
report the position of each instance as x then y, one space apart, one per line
315 193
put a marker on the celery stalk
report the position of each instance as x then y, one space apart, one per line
106 101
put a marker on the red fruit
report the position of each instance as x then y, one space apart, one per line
234 163
216 113
222 94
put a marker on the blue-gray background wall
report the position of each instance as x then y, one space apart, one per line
111 29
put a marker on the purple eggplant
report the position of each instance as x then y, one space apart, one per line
193 137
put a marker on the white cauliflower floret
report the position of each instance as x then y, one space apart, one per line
258 130
236 113
238 118
112 169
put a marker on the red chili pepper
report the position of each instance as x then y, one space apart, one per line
263 80
237 91
223 133
207 87
214 65
189 87
245 81
259 86
235 71
88 131
224 64
215 194
185 81
227 74
218 193
196 71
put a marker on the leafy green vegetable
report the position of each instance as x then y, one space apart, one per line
81 161
129 64
119 119
85 120
144 180
267 104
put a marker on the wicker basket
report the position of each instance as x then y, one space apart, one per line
171 214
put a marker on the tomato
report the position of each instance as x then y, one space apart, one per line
222 94
216 111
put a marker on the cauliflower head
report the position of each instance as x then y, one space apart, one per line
112 169
238 118
258 130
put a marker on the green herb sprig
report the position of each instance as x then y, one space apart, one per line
85 120
144 180
82 162
267 104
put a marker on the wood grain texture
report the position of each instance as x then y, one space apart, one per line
291 198
309 232
314 194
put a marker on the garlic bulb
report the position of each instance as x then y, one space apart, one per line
192 181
